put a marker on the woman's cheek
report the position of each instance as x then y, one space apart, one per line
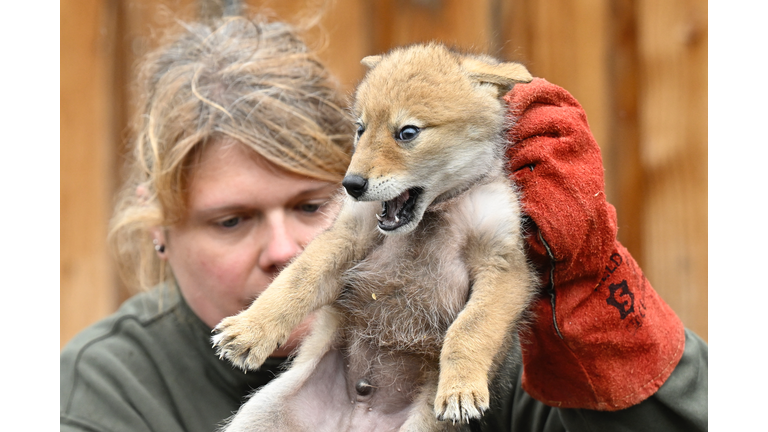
227 272
308 232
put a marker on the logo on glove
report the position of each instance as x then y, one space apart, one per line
622 298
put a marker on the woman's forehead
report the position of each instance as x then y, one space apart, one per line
229 173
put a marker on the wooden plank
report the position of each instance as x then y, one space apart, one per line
625 179
460 24
340 38
673 49
86 157
566 43
347 41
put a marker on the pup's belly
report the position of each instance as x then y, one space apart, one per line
335 398
404 298
386 383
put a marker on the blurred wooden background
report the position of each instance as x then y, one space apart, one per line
639 68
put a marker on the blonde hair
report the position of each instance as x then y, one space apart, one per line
246 79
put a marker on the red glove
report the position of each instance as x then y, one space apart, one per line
612 341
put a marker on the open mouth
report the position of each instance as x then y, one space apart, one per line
399 211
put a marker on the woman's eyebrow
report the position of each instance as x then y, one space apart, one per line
244 207
320 189
221 210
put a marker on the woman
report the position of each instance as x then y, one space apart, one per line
242 145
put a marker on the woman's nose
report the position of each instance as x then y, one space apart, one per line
281 244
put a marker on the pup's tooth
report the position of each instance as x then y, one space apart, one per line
379 217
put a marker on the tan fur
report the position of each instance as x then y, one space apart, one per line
424 307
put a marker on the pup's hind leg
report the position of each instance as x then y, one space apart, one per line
422 415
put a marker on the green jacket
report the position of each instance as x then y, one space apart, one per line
150 367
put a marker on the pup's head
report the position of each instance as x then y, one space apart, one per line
430 124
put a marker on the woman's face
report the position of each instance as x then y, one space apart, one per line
245 221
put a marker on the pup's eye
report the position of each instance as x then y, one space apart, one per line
360 129
407 133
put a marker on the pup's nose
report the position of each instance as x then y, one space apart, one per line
355 185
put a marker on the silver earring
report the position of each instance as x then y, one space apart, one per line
160 248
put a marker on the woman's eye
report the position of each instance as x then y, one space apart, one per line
231 222
309 208
407 133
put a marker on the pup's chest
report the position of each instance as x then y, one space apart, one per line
428 265
408 290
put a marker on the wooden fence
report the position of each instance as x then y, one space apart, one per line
639 68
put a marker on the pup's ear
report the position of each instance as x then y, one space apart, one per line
501 75
371 61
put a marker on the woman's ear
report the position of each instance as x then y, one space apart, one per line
158 241
142 194
157 233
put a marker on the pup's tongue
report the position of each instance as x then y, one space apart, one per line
397 212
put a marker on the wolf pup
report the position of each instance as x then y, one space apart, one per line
421 281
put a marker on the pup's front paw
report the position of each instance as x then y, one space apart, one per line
460 403
247 342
